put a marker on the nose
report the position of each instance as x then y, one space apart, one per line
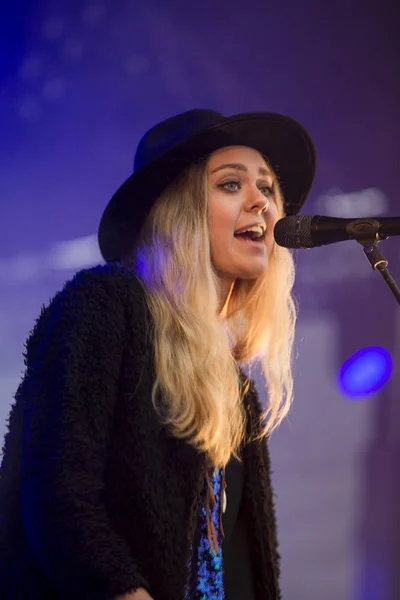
257 202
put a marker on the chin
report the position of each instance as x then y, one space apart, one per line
255 270
250 273
238 270
254 275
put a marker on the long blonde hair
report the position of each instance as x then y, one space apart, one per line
197 393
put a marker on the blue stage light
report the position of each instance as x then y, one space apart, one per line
365 372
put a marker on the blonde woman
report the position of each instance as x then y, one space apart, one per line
136 464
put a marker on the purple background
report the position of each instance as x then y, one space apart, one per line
81 82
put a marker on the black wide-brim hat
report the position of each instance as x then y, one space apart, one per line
172 145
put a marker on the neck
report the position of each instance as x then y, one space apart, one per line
226 292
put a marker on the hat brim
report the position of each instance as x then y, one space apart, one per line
286 145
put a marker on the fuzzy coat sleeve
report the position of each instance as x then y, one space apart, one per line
70 389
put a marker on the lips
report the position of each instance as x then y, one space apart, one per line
252 236
254 232
254 227
247 240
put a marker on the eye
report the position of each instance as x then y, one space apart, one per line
267 190
230 186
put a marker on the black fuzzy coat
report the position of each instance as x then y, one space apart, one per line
96 498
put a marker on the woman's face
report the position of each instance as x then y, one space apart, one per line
240 194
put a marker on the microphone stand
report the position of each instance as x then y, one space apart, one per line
379 263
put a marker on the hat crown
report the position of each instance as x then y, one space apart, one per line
171 132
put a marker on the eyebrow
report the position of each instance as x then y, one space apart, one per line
240 167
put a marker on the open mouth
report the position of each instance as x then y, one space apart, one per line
250 236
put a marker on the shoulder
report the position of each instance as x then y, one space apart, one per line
110 287
114 281
95 302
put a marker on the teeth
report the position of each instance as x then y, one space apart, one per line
256 228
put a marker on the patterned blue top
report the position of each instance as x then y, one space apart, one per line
209 563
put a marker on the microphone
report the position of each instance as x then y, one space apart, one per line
310 231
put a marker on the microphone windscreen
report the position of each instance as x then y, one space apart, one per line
294 232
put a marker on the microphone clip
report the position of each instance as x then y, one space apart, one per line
376 259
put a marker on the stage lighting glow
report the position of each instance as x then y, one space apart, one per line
365 372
